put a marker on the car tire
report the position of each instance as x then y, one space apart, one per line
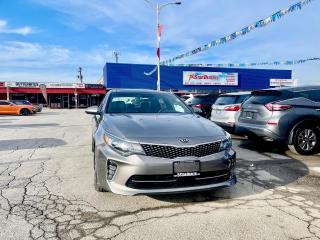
25 112
96 185
93 146
306 140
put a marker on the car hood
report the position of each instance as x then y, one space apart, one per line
162 128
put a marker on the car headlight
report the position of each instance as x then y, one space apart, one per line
123 147
226 143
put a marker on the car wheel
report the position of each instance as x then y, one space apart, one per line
25 112
96 185
93 147
306 140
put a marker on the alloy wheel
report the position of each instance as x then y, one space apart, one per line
307 139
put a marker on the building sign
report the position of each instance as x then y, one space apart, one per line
2 84
210 78
283 82
65 85
48 85
95 86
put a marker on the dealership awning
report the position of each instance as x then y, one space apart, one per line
55 90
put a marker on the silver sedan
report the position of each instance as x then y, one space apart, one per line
148 142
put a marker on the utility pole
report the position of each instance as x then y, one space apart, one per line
80 76
116 55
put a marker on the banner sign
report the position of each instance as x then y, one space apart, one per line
210 78
258 24
43 89
48 85
65 85
282 82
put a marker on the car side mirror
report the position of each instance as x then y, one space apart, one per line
11 104
93 110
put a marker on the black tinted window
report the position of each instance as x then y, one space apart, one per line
4 103
264 97
226 100
202 99
242 98
230 99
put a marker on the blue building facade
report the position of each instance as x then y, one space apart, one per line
118 75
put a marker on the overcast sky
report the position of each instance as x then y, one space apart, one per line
46 40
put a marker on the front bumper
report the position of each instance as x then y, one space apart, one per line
139 174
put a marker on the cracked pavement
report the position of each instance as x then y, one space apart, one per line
46 191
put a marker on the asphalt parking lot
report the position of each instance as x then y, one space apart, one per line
46 191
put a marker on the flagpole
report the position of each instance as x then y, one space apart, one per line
159 7
158 47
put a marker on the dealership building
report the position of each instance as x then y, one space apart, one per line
54 95
134 76
193 78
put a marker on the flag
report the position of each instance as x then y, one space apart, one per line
160 29
158 52
43 89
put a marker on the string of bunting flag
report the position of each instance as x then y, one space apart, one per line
259 24
289 62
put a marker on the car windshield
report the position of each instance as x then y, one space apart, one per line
130 102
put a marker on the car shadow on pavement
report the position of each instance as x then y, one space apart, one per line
36 125
30 143
254 177
262 146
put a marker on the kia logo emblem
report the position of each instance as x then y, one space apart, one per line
184 140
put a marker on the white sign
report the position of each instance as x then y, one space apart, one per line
283 82
65 85
210 78
48 85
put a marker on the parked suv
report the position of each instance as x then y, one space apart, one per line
202 102
290 115
226 107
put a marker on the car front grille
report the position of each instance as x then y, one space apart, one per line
169 181
164 151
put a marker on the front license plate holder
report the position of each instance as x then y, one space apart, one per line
186 168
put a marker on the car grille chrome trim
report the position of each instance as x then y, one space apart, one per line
167 151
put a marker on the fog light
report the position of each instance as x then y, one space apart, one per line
111 169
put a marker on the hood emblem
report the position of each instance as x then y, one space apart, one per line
184 140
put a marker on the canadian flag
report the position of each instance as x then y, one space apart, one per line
160 30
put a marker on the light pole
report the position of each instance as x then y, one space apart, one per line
158 8
116 55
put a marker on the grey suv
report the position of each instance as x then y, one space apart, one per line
151 142
290 115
